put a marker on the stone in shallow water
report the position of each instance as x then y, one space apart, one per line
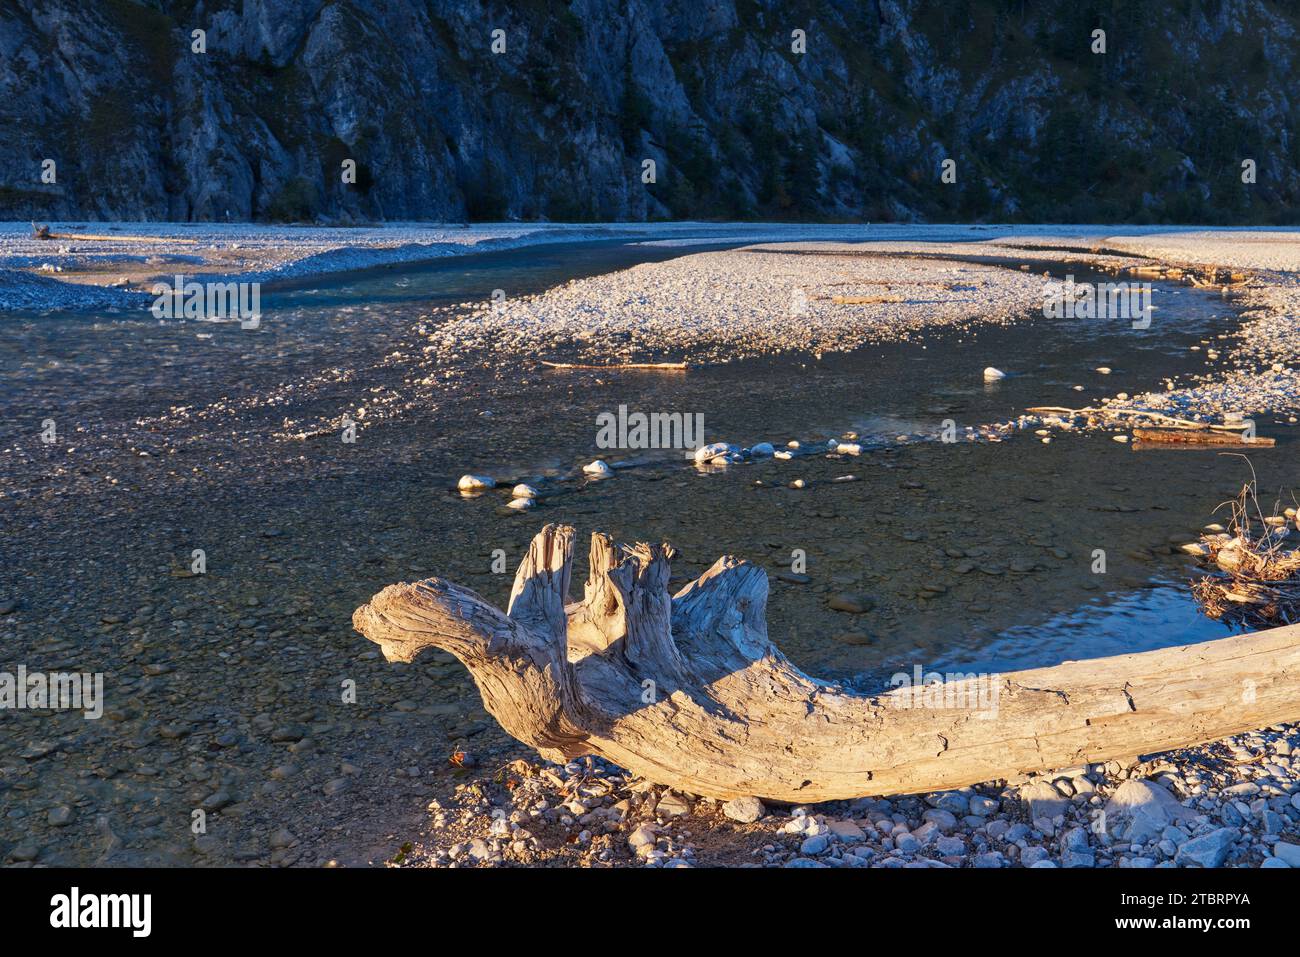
707 453
852 602
854 638
29 851
216 801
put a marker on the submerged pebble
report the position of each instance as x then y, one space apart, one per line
707 453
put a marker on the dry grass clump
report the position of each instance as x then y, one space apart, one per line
1254 579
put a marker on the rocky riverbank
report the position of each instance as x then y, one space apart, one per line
1234 803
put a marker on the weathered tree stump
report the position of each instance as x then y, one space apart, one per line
688 691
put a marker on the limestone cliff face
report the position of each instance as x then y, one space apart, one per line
738 123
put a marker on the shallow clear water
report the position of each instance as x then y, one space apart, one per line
969 552
1124 623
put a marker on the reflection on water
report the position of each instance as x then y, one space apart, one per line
1142 620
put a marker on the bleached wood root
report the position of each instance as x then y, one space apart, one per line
689 692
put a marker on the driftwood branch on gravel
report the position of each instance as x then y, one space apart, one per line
1144 415
689 692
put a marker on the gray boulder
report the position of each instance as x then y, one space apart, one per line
1287 853
1045 802
1210 850
1139 811
746 810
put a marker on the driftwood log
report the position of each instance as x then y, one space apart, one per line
689 692
619 366
1200 437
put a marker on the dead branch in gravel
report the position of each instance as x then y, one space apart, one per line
689 692
1147 415
1255 579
